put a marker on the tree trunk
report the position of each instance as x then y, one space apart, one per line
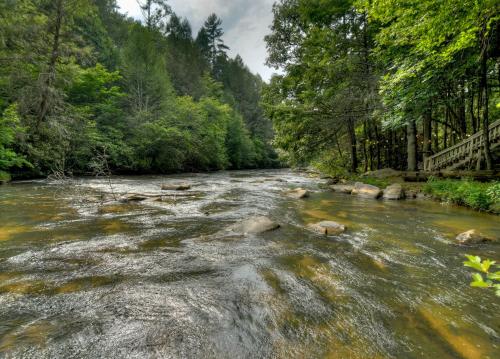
411 134
51 71
485 97
471 112
377 146
390 150
352 144
427 130
436 137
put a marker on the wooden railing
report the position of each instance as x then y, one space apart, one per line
467 149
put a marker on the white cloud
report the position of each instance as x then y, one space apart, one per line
245 23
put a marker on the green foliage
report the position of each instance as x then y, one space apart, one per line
10 131
485 277
4 177
477 195
81 83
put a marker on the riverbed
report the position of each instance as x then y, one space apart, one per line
83 275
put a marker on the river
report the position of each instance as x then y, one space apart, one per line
79 278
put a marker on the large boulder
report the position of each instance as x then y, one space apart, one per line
254 225
327 228
366 190
342 188
394 192
298 193
472 237
176 187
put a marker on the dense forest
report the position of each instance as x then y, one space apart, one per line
87 90
382 83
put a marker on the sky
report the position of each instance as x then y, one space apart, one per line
245 24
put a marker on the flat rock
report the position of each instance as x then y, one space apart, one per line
254 225
472 237
298 193
394 192
133 198
327 227
176 187
366 190
342 188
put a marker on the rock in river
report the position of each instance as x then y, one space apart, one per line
342 188
176 187
327 227
254 225
133 198
298 193
472 237
366 190
394 192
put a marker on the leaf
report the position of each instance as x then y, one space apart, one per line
486 264
478 281
473 262
494 276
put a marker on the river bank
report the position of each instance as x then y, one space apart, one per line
478 195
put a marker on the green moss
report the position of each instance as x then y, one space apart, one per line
477 195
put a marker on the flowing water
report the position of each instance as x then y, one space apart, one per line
82 278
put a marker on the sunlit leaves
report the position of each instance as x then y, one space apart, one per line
484 279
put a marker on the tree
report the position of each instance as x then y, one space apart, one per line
10 133
154 13
330 83
210 41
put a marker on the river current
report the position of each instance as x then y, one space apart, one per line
84 276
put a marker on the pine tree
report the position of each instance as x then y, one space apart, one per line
210 41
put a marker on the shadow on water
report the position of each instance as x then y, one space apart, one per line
83 275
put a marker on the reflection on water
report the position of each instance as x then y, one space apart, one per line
82 275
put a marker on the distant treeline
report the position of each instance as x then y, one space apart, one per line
385 83
85 89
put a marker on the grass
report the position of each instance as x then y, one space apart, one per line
476 195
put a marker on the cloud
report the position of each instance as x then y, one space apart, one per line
245 23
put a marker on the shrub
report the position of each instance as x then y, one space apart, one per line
476 195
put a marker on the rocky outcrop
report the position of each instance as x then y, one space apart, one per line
298 193
327 228
394 192
472 237
254 225
342 188
176 187
366 191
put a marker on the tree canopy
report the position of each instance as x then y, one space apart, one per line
83 83
384 83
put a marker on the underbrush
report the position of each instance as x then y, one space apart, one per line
477 195
4 177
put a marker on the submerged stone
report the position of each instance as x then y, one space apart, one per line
472 237
327 227
133 198
254 225
342 188
176 187
298 193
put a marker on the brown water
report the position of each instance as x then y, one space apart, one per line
159 279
